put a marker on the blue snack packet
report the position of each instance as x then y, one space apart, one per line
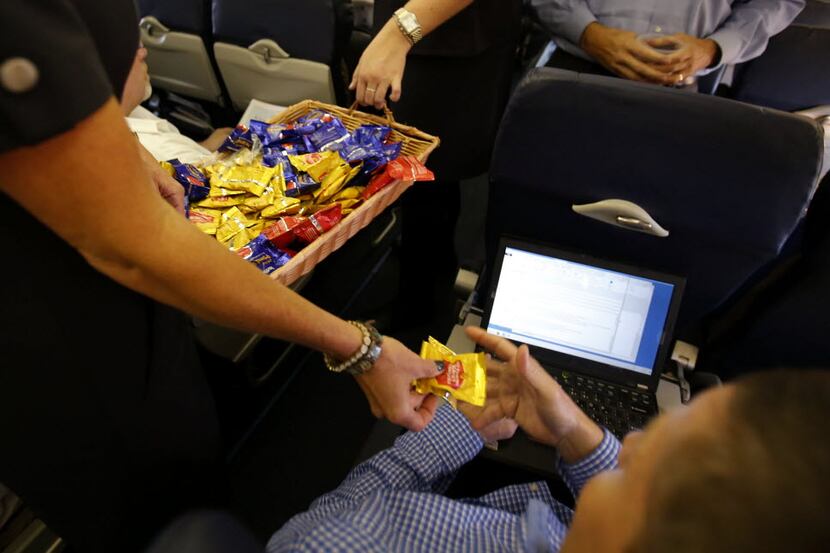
302 184
195 183
239 138
267 257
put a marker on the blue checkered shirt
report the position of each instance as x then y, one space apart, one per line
393 501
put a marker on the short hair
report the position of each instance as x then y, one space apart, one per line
761 483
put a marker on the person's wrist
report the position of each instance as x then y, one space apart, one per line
713 53
362 358
581 441
393 38
590 35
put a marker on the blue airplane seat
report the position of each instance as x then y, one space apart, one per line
278 51
177 34
794 71
728 181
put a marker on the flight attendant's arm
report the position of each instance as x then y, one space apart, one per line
380 69
91 187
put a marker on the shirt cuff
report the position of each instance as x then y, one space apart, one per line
603 458
730 44
574 26
448 442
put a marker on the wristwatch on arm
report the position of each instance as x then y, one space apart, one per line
408 25
366 355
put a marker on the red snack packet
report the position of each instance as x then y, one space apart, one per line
315 225
403 168
281 233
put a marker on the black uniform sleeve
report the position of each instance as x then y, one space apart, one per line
71 81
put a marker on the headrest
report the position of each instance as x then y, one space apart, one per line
305 29
186 16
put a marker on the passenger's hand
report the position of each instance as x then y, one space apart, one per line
216 138
622 53
380 69
699 53
500 429
388 386
518 388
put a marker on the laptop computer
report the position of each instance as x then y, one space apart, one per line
602 329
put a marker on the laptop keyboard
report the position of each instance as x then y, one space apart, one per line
618 409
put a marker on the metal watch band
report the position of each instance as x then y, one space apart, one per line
366 355
414 34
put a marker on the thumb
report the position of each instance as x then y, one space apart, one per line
530 370
426 368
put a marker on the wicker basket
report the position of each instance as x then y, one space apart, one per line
414 143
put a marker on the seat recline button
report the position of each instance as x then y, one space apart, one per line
18 75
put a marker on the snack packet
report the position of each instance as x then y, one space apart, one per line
403 168
206 220
262 253
281 206
318 164
239 138
281 233
464 376
315 225
194 181
220 202
248 178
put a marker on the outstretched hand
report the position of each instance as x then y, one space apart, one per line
388 386
519 388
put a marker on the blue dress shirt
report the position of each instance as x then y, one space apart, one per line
392 502
741 28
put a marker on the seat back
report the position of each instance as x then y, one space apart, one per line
794 71
277 51
726 180
173 32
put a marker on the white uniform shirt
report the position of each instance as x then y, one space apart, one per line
162 139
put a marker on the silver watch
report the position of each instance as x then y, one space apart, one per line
409 25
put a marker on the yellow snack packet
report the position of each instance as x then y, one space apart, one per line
216 192
317 164
335 181
281 206
220 202
350 193
247 178
239 241
206 220
464 376
233 222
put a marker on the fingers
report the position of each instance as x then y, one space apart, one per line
500 347
533 372
395 93
380 94
418 419
500 430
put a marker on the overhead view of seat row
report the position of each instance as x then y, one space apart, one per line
415 275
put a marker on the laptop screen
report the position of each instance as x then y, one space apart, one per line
581 310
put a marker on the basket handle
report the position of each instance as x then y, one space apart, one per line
386 111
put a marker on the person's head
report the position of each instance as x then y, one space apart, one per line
745 469
137 88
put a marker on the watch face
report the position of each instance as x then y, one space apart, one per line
409 22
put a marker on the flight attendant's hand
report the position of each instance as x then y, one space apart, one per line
388 386
380 69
